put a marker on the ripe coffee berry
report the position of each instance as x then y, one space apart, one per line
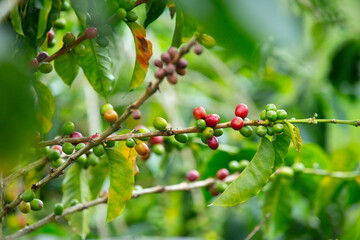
278 128
146 156
218 132
58 148
58 208
182 63
110 116
68 128
24 207
136 114
212 120
130 143
68 39
158 149
42 56
183 137
50 35
172 78
213 191
181 71
36 205
75 135
160 123
281 114
271 115
261 131
166 58
68 148
192 175
208 132
91 32
156 140
54 155
237 123
160 73
213 143
158 63
170 69
28 195
199 113
246 131
222 173
198 49
241 110
142 149
270 107
99 150
173 52
201 124
34 63
45 67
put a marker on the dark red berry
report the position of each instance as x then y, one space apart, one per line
192 175
156 140
91 32
158 63
181 71
34 63
173 52
198 49
42 56
57 147
213 142
95 135
222 173
136 114
50 35
160 73
212 119
199 113
170 69
213 191
75 135
165 57
237 123
172 79
182 63
241 110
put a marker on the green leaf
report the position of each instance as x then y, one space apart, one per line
121 184
281 145
295 135
143 54
96 65
45 106
252 179
98 175
67 67
185 27
43 16
75 186
154 8
80 7
129 153
16 21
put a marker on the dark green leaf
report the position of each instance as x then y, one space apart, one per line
184 28
80 7
16 21
67 67
281 145
98 175
43 16
154 8
252 179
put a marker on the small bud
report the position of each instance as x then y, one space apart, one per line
165 57
136 114
170 69
181 71
158 63
172 79
173 52
182 63
160 73
198 49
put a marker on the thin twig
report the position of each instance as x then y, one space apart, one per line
258 227
184 186
341 175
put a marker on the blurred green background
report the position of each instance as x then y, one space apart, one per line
301 55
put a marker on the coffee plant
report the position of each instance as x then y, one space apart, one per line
104 102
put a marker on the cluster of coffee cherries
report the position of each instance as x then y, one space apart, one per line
167 67
271 114
206 124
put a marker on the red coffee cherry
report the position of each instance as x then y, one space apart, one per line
199 113
136 114
42 56
172 79
156 140
222 173
169 69
57 147
91 32
50 35
110 116
142 149
160 73
158 63
165 57
192 175
146 156
75 135
198 49
34 63
237 123
212 120
181 71
213 143
241 110
182 63
173 52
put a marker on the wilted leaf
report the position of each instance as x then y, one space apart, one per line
295 135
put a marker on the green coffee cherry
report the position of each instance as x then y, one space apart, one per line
51 44
221 186
207 41
105 30
82 160
286 172
261 131
270 130
182 138
159 123
99 150
131 16
263 115
218 132
130 143
79 49
45 67
243 164
44 150
106 107
203 139
270 107
138 188
58 209
68 128
121 13
28 195
144 130
208 132
110 144
271 115
158 149
24 207
234 166
281 114
246 131
65 5
102 41
201 124
93 160
79 146
68 148
298 167
36 204
127 4
278 128
68 39
54 155
57 163
60 23
73 202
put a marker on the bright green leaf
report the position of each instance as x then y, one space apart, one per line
97 176
154 8
75 186
121 184
295 135
43 17
129 153
80 7
67 67
16 21
143 54
252 179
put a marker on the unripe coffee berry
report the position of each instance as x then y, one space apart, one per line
158 63
110 116
199 113
278 128
218 132
158 149
105 107
79 49
121 13
57 163
45 67
131 16
68 128
182 138
261 131
208 132
298 167
91 32
270 130
93 160
24 207
79 146
28 195
263 115
271 115
36 204
201 124
130 143
182 63
166 58
58 209
221 186
142 149
99 150
237 123
207 41
286 172
136 114
241 110
246 131
68 148
110 144
68 39
213 143
102 41
172 78
281 114
234 166
58 148
82 160
192 175
143 130
73 202
60 23
222 173
42 56
160 123
54 155
44 150
204 140
270 107
243 164
212 120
